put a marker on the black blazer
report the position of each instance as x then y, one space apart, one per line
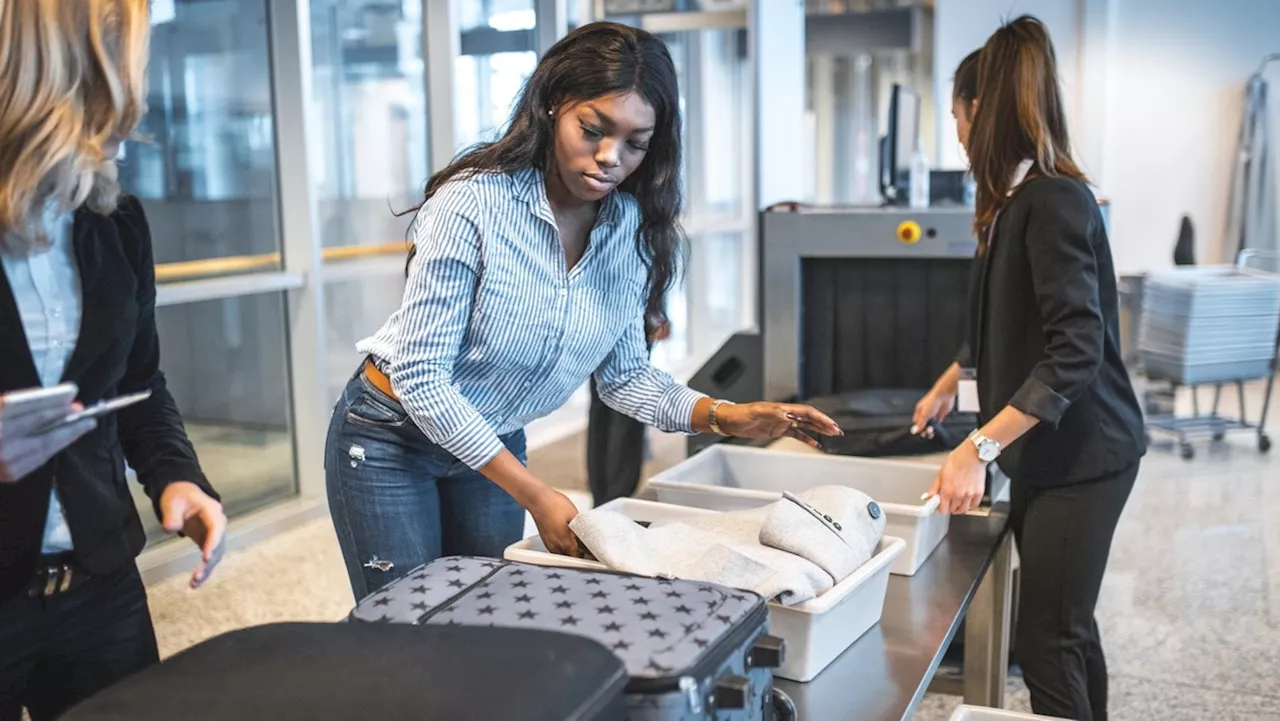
1044 337
117 351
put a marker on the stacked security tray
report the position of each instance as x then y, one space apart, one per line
735 478
816 631
1209 325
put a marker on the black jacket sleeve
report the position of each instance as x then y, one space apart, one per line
151 433
1064 273
964 357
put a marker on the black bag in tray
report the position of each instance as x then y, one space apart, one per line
878 423
358 672
694 651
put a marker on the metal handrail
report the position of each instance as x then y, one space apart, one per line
234 264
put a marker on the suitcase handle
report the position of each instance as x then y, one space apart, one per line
768 652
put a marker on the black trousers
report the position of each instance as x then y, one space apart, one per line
1064 538
615 451
57 651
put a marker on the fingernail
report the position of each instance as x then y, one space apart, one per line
915 429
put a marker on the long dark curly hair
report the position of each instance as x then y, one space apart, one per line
593 61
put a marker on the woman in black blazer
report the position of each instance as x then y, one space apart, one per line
1055 401
77 304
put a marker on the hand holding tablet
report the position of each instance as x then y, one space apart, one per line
26 441
38 423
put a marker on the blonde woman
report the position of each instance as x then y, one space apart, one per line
77 304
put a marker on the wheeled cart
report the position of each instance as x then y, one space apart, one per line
1210 327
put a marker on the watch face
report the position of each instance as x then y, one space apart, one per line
988 451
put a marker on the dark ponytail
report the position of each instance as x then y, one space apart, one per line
1020 115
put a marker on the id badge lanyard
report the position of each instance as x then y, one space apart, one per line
967 392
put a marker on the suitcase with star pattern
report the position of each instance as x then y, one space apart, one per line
694 651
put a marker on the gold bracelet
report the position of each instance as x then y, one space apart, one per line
711 417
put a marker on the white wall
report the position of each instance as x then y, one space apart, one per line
962 26
1176 75
1154 92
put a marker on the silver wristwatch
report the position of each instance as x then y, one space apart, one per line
988 449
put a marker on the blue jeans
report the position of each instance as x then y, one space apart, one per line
398 500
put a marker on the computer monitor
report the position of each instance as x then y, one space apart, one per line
899 144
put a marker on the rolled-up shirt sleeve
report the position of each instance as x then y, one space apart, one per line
434 316
628 384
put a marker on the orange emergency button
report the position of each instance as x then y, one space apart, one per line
909 232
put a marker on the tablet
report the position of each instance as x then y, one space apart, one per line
101 408
38 400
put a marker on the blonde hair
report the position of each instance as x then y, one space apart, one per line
72 82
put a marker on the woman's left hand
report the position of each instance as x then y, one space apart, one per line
774 420
189 510
962 482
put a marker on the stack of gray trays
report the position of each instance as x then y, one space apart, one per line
1209 324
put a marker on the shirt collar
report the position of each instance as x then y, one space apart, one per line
531 187
1020 174
56 224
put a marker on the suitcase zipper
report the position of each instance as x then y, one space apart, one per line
460 594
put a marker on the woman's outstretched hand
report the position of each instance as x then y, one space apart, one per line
775 420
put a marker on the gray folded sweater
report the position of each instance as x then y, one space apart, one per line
790 551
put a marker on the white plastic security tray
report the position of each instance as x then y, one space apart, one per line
982 713
735 478
816 631
999 481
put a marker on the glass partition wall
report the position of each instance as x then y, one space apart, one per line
286 145
206 173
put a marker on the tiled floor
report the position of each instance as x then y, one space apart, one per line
1190 610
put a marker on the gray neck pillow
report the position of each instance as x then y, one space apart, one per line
836 527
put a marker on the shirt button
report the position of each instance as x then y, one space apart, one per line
55 313
564 292
56 343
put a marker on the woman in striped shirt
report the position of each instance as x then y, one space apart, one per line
535 259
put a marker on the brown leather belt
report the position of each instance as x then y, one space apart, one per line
378 379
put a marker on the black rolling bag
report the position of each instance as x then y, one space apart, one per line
878 423
694 651
357 672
